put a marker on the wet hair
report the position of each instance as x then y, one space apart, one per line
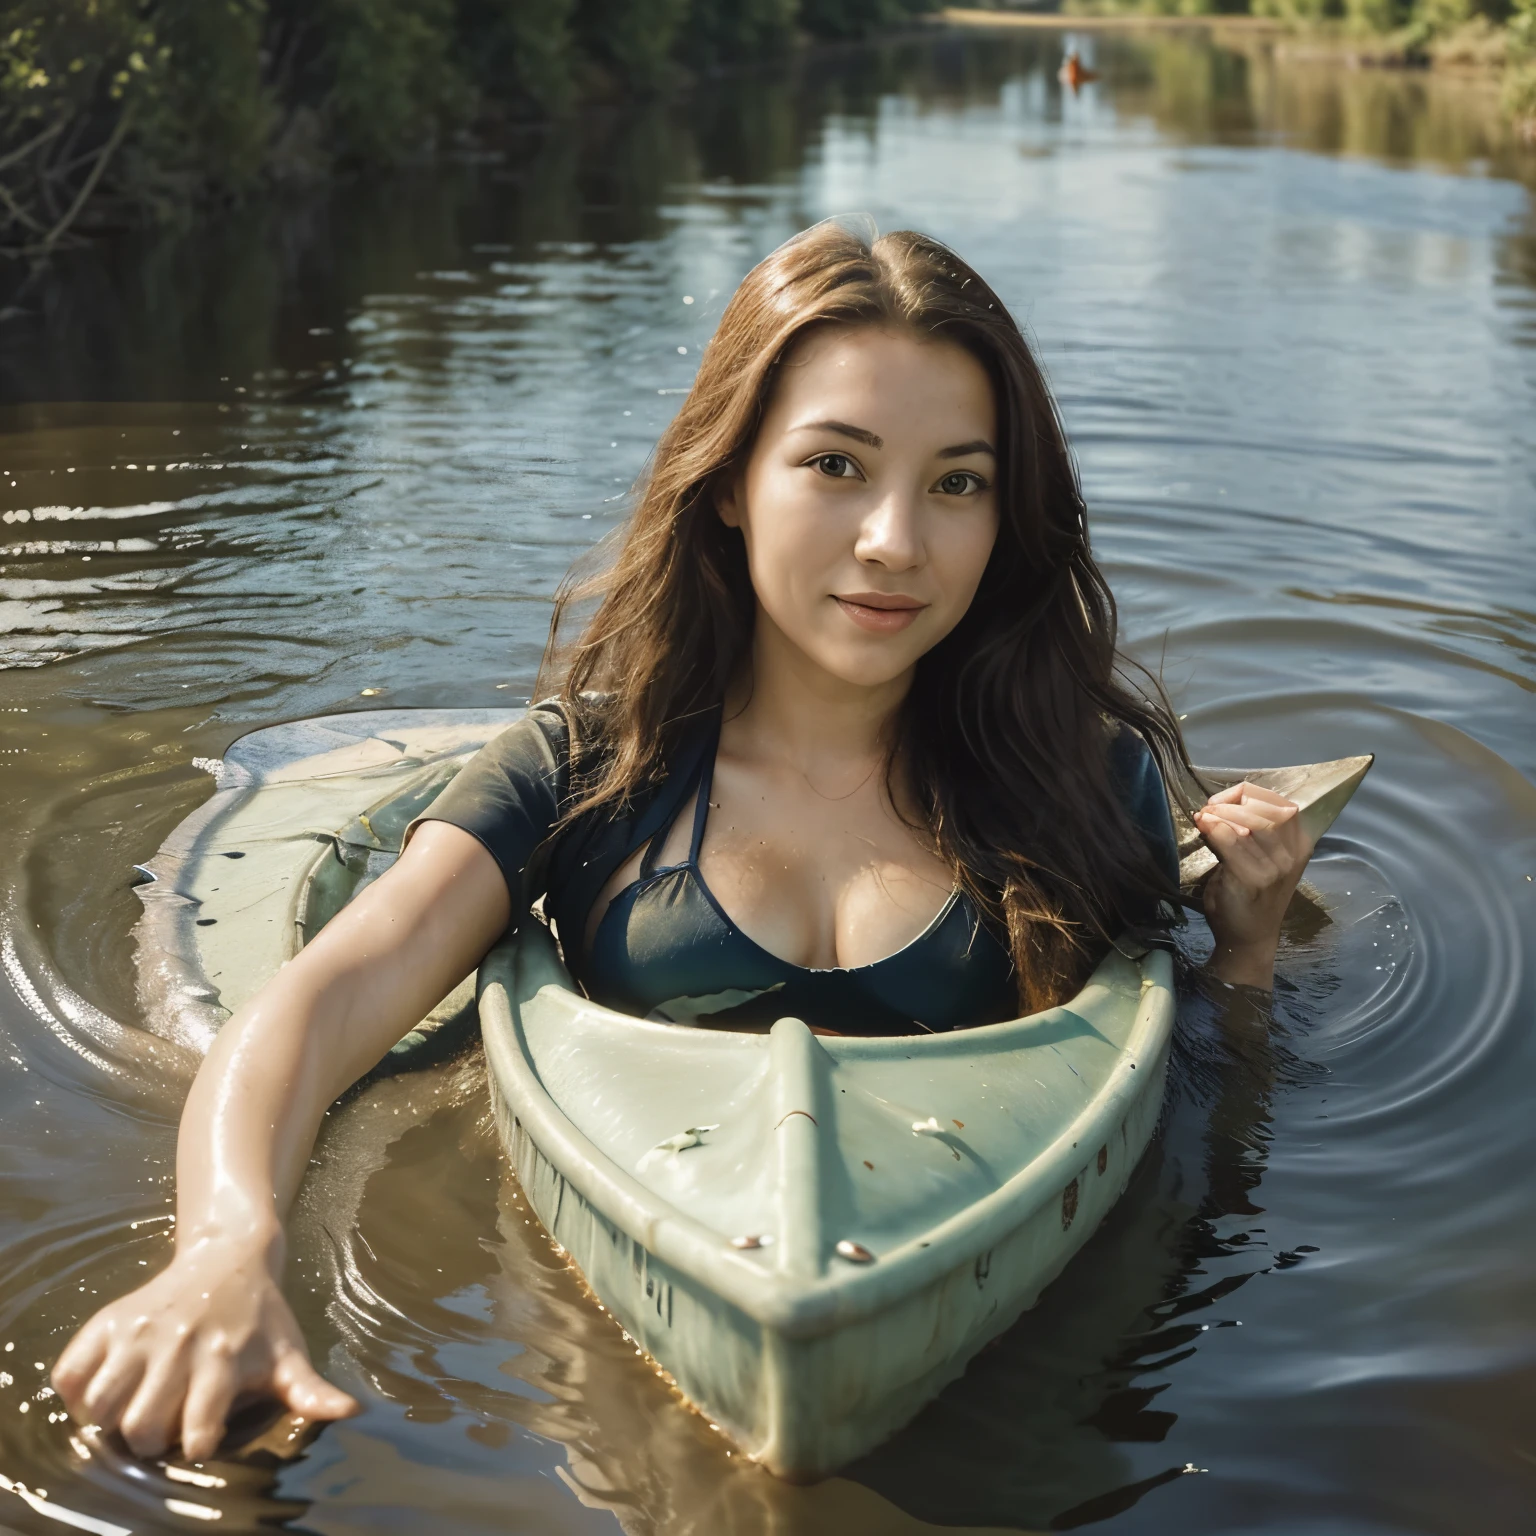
1003 740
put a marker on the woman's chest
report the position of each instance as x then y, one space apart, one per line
817 881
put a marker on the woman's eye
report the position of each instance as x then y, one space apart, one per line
963 482
838 465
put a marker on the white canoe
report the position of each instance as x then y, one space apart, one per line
810 1234
241 884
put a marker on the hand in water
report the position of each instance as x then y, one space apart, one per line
172 1359
168 1361
1258 837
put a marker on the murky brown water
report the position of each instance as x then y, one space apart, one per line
1291 315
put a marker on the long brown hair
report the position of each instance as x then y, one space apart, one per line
1003 738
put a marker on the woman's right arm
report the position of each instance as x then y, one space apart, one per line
168 1361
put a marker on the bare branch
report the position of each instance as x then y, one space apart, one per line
63 153
19 213
26 149
83 195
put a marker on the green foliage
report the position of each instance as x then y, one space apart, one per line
633 38
1519 94
1522 30
1438 17
394 82
720 31
106 105
1306 11
60 56
202 115
99 94
858 18
1379 15
1519 98
519 49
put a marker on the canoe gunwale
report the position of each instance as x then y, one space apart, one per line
843 1295
179 992
172 981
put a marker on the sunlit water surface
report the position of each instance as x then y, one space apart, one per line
250 473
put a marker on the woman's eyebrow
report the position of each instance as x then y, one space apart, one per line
863 435
858 434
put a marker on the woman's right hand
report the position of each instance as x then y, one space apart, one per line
168 1361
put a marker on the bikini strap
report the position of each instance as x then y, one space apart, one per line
653 848
701 805
700 772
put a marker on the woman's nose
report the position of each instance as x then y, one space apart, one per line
890 534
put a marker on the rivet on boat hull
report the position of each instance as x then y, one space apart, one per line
855 1253
752 1241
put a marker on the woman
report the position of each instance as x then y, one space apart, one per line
845 739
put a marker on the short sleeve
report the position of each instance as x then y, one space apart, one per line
509 797
1146 800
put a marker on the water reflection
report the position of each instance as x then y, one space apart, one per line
353 443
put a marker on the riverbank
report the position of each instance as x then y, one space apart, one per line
1107 21
109 120
1446 37
114 114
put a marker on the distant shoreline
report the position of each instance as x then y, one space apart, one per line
1060 21
1477 48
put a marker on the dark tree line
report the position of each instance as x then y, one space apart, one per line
117 110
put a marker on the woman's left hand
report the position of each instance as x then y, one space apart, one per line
1258 837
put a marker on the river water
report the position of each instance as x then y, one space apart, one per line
251 471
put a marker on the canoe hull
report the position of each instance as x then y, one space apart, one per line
803 1408
807 1371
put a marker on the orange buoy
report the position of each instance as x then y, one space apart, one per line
1073 72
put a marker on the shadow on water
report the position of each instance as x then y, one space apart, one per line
352 442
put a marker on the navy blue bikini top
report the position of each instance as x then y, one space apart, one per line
666 949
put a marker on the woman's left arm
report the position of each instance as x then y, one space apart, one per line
1257 835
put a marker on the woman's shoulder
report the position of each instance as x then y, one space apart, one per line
1132 765
538 741
547 735
1143 792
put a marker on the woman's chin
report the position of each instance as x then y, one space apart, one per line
846 655
867 666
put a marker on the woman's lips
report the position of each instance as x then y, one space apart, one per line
879 612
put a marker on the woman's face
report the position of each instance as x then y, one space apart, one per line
868 503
